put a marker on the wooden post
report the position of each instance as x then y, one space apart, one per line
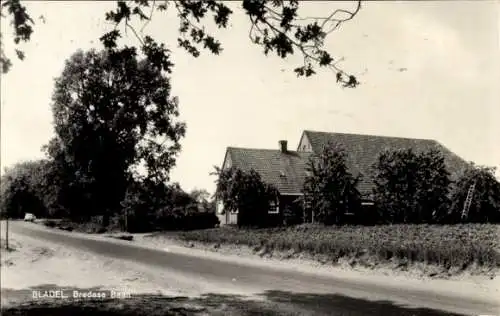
126 220
7 234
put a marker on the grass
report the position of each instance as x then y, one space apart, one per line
452 246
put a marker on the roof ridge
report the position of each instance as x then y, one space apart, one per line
263 149
367 135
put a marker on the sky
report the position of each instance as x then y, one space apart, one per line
428 69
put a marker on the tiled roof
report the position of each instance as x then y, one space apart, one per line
286 171
363 151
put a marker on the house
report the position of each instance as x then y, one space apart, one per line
283 168
286 169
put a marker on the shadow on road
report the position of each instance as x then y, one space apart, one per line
20 302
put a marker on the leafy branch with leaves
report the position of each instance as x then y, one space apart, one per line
275 25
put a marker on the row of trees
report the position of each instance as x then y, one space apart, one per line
408 187
30 187
116 140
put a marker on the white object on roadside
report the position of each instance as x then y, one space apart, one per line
28 217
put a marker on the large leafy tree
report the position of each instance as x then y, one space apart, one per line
329 188
485 206
411 187
274 25
112 114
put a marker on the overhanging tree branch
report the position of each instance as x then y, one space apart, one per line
275 25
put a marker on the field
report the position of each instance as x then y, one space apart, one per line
456 247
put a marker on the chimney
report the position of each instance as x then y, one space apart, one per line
283 144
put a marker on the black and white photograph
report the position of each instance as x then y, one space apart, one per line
250 157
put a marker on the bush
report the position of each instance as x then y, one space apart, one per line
330 189
293 213
485 206
149 207
411 187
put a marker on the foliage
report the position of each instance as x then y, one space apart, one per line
485 206
246 193
156 206
453 246
30 187
411 187
202 197
293 213
330 189
276 26
23 29
112 113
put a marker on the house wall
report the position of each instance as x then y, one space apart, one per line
225 217
228 218
278 219
219 212
304 144
227 162
232 218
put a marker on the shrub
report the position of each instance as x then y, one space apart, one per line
330 189
293 214
411 187
149 206
485 206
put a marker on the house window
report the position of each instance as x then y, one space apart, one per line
273 208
